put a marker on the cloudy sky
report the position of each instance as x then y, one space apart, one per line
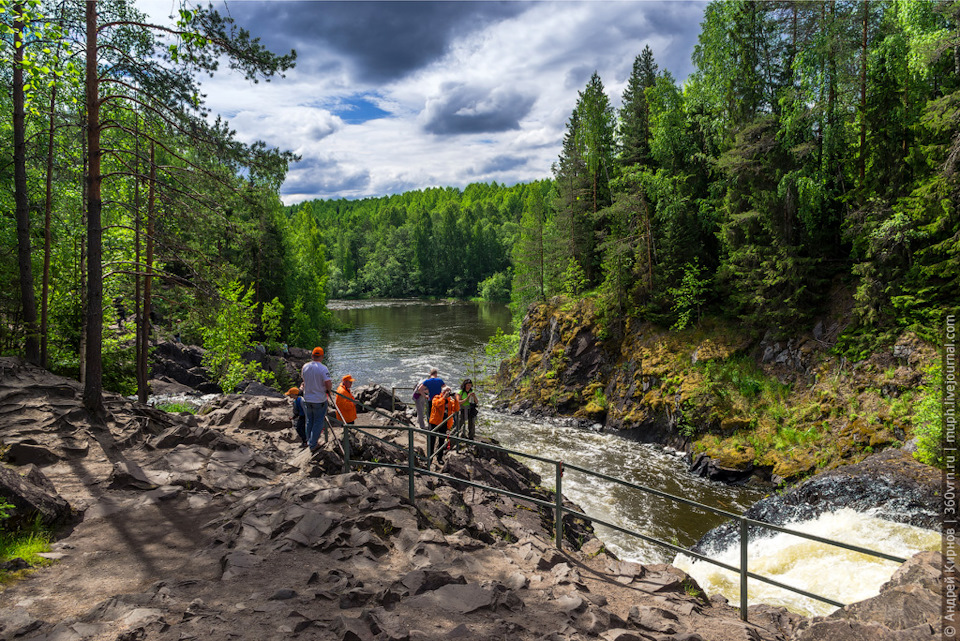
392 96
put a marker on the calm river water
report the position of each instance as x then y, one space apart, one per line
395 342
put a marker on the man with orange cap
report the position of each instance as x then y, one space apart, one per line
345 401
317 386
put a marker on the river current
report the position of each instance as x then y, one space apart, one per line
395 342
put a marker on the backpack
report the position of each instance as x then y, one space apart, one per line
298 409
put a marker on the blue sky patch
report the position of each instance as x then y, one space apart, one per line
358 110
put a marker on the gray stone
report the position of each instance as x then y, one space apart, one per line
16 622
32 498
420 581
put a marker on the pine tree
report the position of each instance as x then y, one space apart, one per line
634 130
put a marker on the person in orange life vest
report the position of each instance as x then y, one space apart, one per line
438 409
453 413
345 401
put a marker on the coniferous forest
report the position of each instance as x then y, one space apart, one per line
814 149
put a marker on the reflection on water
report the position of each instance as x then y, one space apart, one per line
396 342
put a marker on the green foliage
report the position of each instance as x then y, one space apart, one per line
5 508
496 288
270 317
574 280
229 336
177 408
689 296
928 418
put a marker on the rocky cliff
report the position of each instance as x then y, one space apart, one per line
744 405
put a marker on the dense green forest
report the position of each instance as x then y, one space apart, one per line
814 148
129 209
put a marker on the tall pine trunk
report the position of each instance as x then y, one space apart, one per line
143 389
28 299
93 379
47 239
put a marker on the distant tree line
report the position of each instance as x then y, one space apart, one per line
432 242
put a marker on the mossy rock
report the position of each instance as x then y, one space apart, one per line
733 456
730 425
791 465
594 411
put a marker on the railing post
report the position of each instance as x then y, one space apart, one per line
393 398
559 509
346 448
744 541
411 463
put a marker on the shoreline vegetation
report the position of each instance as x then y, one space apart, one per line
778 408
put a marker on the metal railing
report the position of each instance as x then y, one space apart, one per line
559 510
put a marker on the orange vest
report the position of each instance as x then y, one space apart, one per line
347 409
453 405
436 410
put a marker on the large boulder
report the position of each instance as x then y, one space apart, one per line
246 411
179 363
32 495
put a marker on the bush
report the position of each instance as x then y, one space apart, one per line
928 418
228 338
497 287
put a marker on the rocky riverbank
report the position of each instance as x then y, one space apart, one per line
183 526
745 406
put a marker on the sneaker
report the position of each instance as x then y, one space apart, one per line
303 445
315 449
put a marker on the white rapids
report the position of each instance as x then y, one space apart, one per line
818 568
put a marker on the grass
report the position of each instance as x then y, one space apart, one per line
176 408
26 545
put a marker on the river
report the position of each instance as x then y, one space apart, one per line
396 342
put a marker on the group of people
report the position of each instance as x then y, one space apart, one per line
447 408
310 401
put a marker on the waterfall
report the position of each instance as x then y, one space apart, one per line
829 571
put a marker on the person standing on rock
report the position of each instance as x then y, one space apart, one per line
346 406
468 403
299 414
434 384
420 397
317 386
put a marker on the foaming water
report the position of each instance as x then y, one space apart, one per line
633 509
818 568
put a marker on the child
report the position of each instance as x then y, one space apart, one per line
299 417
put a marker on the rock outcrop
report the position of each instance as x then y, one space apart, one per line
217 528
772 409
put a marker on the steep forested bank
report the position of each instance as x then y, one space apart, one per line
776 405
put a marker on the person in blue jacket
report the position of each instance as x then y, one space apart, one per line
299 417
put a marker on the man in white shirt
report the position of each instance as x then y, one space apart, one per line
317 385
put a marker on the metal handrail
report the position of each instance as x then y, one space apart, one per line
560 510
